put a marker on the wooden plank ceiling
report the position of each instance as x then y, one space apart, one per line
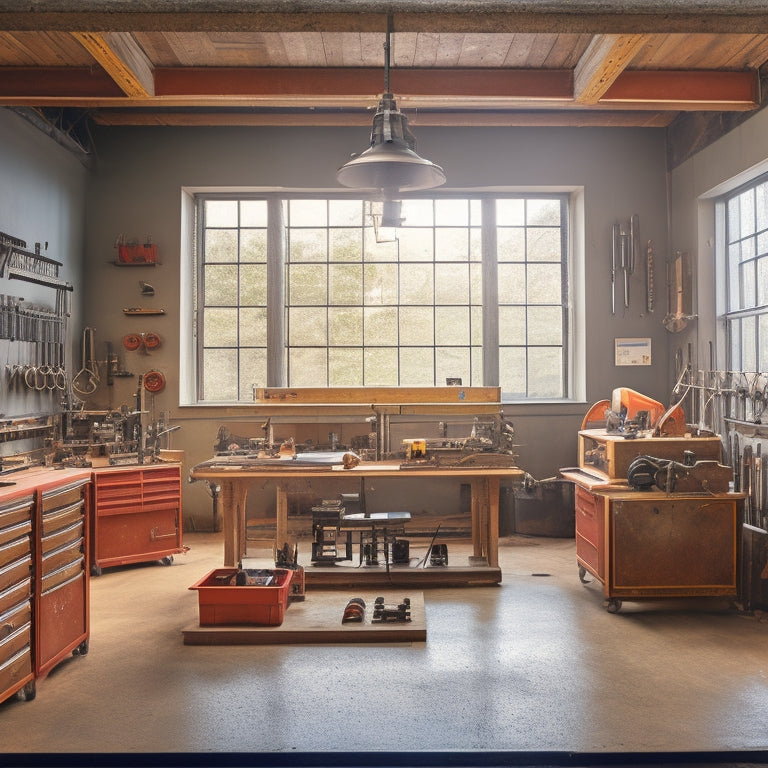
322 62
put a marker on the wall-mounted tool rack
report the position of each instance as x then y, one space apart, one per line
20 264
24 441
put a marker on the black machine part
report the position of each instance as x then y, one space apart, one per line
669 475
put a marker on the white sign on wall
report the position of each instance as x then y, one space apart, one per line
633 351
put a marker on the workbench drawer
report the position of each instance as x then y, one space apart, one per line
14 532
63 575
142 533
15 594
62 556
590 531
15 659
15 549
588 507
61 518
14 619
16 571
12 514
61 497
64 536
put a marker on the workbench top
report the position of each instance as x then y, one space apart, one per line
27 481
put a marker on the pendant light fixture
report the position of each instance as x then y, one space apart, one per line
390 164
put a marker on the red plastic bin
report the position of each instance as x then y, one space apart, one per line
220 603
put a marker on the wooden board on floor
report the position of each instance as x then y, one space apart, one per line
317 619
345 576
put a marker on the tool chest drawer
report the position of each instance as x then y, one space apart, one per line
15 660
16 512
137 515
61 586
590 531
15 594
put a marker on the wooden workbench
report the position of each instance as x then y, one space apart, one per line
235 479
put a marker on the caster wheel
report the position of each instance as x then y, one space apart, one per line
81 650
167 560
27 692
95 570
613 605
583 575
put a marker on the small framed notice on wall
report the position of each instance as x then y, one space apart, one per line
633 351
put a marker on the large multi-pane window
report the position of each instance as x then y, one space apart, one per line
746 248
306 291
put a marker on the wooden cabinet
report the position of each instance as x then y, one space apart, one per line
643 545
16 661
136 515
61 584
609 455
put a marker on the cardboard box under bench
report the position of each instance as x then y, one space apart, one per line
611 454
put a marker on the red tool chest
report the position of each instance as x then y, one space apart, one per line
136 515
44 607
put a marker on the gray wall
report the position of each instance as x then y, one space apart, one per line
42 198
732 160
136 191
137 187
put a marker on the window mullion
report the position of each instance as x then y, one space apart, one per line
490 292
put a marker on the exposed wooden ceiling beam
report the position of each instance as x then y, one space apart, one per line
426 16
123 60
604 60
367 82
359 88
315 118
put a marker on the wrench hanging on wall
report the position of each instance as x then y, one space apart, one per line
87 378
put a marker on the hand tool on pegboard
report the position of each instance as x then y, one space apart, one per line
650 267
87 378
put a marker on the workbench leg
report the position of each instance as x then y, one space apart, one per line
494 492
233 496
485 519
281 533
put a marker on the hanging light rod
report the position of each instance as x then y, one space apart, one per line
391 163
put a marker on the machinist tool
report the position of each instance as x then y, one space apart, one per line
614 235
354 610
649 276
382 612
625 258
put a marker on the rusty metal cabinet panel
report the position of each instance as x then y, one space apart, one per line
16 663
653 545
62 614
136 515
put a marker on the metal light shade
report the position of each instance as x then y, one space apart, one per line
391 162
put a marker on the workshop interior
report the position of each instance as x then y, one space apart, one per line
288 394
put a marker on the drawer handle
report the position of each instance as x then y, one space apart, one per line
7 629
154 535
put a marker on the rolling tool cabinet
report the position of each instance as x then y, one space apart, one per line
136 515
44 607
61 574
17 671
648 544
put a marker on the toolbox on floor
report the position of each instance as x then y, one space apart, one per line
223 602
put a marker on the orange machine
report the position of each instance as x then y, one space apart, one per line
626 404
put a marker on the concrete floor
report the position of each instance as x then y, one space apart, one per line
535 665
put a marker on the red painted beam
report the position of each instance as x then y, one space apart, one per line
65 82
684 87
